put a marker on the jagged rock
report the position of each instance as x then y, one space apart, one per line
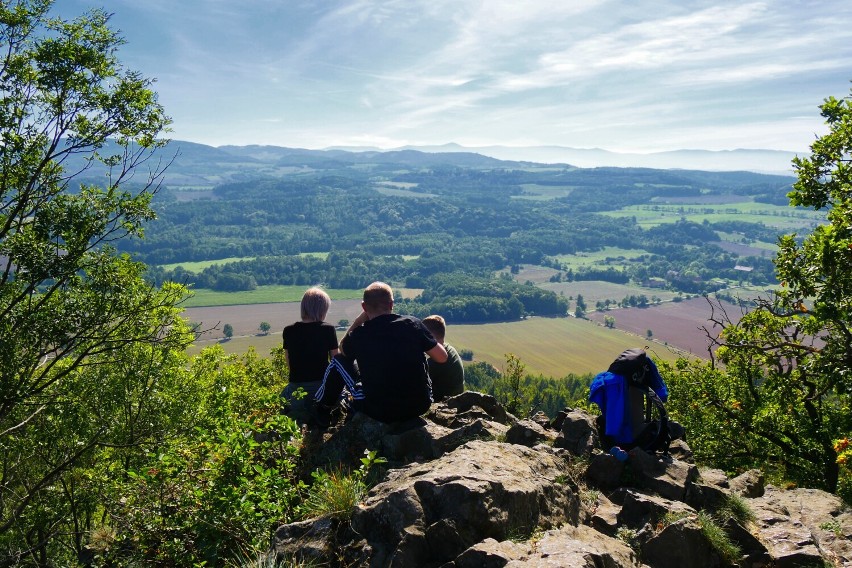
478 429
680 544
528 433
804 527
542 420
481 490
466 401
452 496
604 516
748 484
662 474
639 509
490 554
604 471
753 551
399 443
579 433
580 547
680 450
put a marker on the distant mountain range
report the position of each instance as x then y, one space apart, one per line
203 167
761 161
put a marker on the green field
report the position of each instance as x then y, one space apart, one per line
779 216
608 256
549 346
261 295
543 192
200 265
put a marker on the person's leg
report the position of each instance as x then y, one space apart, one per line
339 375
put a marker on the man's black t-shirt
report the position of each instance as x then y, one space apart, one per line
307 345
390 353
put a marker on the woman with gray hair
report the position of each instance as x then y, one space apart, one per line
309 345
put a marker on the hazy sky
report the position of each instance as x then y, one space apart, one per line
635 75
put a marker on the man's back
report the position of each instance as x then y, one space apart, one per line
389 352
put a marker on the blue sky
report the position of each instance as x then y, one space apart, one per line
638 76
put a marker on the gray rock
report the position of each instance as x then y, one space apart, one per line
490 554
748 484
580 547
662 474
604 471
467 400
680 544
482 490
579 433
639 509
529 433
804 527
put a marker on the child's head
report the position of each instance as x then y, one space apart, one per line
315 304
436 326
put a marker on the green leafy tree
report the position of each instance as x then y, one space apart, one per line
785 395
264 327
228 331
69 111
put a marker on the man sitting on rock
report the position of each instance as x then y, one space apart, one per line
382 362
448 377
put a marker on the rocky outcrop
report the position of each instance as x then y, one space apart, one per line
469 485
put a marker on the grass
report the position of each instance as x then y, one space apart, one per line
200 265
736 508
553 347
334 495
779 216
608 256
719 540
203 297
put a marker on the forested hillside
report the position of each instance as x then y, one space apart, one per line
346 219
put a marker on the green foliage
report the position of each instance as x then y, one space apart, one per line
88 348
533 392
629 537
264 327
510 390
785 395
228 331
211 492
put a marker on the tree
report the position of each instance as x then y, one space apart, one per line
68 302
580 310
786 388
264 327
228 331
609 321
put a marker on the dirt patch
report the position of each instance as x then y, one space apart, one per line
246 319
674 323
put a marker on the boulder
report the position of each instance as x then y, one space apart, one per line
604 471
529 433
451 495
481 490
579 433
640 509
577 546
680 544
490 554
662 474
803 527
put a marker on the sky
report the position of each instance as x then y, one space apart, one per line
626 76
